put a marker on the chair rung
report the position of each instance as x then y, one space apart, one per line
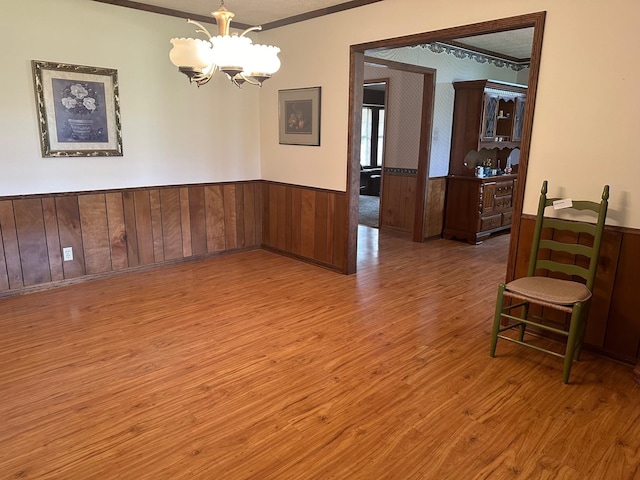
537 317
535 324
511 307
509 327
549 321
535 347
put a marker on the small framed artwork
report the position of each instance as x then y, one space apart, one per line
299 116
78 110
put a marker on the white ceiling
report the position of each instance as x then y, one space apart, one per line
248 12
512 43
515 43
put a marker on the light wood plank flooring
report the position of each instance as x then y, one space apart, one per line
257 366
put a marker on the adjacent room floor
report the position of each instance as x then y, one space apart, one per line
369 211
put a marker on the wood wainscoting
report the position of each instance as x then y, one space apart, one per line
398 201
614 325
116 230
310 223
307 223
434 212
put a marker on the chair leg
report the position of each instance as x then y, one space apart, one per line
579 337
583 329
496 320
523 326
574 336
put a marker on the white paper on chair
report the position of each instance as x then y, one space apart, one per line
563 203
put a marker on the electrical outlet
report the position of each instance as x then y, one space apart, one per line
67 253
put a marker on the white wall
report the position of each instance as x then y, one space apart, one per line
173 132
523 77
585 125
402 116
584 132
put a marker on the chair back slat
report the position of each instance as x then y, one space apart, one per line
566 268
573 248
576 227
577 204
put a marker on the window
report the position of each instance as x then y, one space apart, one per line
372 136
380 137
365 138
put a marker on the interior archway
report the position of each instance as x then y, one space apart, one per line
535 20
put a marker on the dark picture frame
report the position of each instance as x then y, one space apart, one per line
299 116
78 110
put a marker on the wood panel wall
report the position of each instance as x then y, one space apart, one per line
398 201
308 223
434 211
115 230
614 323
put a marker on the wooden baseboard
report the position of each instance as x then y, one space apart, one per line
301 258
116 273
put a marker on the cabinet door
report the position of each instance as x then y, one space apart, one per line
518 122
488 198
489 117
505 118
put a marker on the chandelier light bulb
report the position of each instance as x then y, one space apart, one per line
191 53
230 53
264 60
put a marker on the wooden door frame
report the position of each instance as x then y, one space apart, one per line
356 73
424 155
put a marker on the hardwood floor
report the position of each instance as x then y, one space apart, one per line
257 366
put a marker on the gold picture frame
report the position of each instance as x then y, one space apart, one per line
78 110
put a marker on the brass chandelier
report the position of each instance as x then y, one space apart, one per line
235 55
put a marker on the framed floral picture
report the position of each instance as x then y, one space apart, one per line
78 110
299 116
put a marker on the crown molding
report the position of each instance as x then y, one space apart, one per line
241 26
462 53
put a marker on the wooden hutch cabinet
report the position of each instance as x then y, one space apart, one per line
486 115
487 125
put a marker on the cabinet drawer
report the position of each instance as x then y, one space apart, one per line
502 203
506 218
489 223
504 188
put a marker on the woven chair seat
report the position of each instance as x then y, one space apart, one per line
551 290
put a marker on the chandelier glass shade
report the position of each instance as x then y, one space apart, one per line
235 55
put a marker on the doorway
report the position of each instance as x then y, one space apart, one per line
358 52
408 119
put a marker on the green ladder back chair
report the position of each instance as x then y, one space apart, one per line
554 251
